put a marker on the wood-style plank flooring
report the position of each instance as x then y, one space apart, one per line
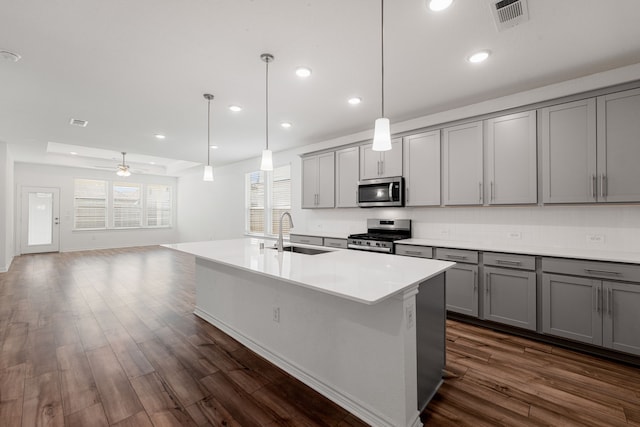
108 338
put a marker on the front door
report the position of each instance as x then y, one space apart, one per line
40 220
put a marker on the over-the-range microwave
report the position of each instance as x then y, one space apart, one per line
382 192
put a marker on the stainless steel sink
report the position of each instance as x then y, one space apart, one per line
306 251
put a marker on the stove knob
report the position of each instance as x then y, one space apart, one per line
368 243
377 244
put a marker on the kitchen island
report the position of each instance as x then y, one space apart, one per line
366 330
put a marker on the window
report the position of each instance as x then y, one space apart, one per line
102 204
90 204
127 205
158 205
268 195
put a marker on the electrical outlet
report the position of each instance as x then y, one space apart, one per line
411 314
276 314
595 239
444 232
514 235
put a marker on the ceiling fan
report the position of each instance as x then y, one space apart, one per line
123 168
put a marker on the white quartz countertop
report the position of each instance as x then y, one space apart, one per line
360 276
579 253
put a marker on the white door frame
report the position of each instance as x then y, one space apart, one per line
25 248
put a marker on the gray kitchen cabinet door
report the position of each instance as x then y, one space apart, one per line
381 164
462 164
511 159
462 289
569 152
347 174
326 180
318 181
619 146
572 308
422 169
621 325
510 297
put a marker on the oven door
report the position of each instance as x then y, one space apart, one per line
381 192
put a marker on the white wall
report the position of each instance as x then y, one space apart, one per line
6 207
556 226
27 174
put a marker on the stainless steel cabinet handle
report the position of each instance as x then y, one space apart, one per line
458 257
475 281
492 196
602 192
480 192
610 301
381 167
598 299
605 185
507 262
603 272
407 192
487 288
594 186
413 252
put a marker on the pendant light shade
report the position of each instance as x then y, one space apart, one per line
123 169
382 130
208 170
267 156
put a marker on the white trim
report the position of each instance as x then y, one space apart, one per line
346 401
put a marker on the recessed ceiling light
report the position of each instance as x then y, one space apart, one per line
355 100
235 108
303 71
285 125
479 56
438 5
73 153
152 163
159 136
213 147
5 55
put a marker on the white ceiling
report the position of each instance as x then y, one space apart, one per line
137 68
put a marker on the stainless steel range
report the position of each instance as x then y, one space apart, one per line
380 235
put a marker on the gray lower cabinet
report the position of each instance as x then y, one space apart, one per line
510 297
461 280
593 309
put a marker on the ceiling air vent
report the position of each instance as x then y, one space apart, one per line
509 13
78 122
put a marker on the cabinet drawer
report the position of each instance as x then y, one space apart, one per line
413 250
335 243
522 262
457 255
600 270
307 240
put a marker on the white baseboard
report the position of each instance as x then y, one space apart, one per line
6 267
342 399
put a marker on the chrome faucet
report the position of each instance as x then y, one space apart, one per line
280 237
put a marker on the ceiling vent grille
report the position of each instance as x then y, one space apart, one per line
509 13
78 122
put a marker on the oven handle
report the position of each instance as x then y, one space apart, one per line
368 248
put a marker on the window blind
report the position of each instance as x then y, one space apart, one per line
127 205
256 201
280 197
159 207
90 204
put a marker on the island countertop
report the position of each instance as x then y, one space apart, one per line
364 277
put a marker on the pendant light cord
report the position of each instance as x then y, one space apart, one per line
382 48
208 132
267 103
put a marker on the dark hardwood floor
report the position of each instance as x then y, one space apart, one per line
108 338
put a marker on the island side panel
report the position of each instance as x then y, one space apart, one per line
431 337
361 356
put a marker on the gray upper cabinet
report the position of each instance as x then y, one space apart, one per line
318 181
569 152
619 146
422 169
511 159
347 161
462 164
381 164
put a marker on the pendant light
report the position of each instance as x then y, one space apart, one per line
208 170
123 169
382 131
267 156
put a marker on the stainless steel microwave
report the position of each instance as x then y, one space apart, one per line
383 192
